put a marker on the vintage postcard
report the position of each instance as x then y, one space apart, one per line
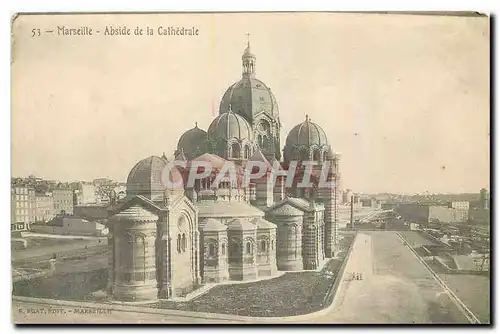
250 168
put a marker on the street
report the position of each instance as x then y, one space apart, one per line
396 288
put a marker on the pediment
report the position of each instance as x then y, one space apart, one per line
136 206
285 209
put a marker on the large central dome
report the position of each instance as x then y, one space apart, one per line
249 97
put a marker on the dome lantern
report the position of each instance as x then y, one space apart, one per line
248 60
253 100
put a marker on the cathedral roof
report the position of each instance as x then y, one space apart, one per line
212 225
264 224
214 160
191 141
208 209
259 156
135 213
230 125
294 206
307 134
241 225
285 210
180 156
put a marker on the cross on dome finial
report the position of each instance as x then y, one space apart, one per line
230 109
195 124
248 39
307 118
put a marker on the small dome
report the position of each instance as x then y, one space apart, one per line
146 178
241 225
248 52
192 141
307 134
228 126
212 225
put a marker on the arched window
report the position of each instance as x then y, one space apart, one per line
263 245
184 242
235 249
260 141
221 149
140 253
304 155
179 240
235 151
249 247
247 151
266 143
211 249
316 156
272 244
223 249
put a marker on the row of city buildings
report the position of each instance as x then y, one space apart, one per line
34 200
475 211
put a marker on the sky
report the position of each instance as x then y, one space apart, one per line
403 98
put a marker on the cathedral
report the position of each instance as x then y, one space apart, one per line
167 241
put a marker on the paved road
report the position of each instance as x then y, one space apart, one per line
396 287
